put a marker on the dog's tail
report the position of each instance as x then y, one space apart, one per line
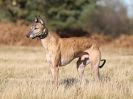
104 61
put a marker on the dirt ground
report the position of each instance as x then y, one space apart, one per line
14 34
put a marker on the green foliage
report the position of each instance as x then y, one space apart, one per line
60 14
20 9
67 14
84 15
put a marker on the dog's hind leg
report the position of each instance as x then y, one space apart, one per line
95 58
81 63
80 69
95 69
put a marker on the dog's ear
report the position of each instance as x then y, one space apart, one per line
36 19
40 20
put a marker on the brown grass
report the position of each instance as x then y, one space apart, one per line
14 34
24 74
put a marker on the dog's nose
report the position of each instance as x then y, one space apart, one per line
27 35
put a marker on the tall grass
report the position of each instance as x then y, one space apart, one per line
24 74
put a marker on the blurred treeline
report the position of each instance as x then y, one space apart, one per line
102 16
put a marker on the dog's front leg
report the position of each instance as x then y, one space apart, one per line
55 73
55 68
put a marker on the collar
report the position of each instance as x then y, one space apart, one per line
44 34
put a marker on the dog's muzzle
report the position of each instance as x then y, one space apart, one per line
30 35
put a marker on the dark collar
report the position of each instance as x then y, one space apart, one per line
44 34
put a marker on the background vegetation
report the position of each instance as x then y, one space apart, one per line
102 16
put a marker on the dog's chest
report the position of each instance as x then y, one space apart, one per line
49 56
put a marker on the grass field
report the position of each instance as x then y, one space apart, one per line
24 74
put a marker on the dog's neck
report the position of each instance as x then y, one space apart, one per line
49 40
44 34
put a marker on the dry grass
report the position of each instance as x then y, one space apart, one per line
24 74
15 34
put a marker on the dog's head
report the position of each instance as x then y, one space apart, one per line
38 29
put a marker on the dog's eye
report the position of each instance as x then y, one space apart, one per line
36 28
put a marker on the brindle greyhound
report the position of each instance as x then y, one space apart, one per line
61 51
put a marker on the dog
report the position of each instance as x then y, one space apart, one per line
61 51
